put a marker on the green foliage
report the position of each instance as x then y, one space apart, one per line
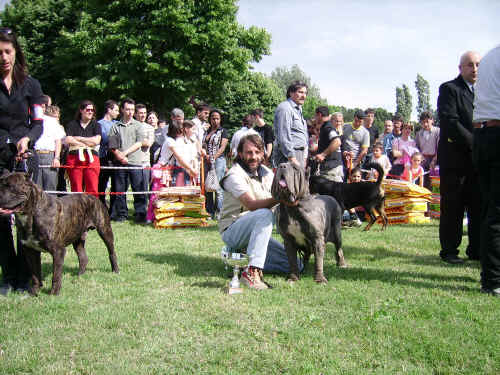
310 105
423 95
404 102
284 76
156 51
254 90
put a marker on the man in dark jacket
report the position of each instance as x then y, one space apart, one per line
329 153
459 179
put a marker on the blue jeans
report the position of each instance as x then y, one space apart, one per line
220 170
253 232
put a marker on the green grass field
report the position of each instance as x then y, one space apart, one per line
396 309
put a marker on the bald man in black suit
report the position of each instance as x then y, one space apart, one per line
459 179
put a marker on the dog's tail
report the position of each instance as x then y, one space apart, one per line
379 169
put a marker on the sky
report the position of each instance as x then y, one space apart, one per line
357 52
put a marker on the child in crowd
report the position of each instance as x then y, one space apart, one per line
380 158
352 218
414 172
355 175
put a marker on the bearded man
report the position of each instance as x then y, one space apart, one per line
247 220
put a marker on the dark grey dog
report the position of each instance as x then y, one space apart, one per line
306 222
47 223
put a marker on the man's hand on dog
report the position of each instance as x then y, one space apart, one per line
22 147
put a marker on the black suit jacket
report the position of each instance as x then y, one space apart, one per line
455 105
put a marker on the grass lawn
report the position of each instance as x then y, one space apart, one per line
396 309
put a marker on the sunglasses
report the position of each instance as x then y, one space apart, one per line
89 110
6 31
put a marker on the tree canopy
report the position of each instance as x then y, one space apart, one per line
252 91
284 76
160 52
404 102
423 95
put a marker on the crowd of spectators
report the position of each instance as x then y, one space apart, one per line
129 136
134 142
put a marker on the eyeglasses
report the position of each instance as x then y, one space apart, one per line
89 110
6 31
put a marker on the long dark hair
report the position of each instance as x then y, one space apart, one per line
20 67
174 129
210 116
83 104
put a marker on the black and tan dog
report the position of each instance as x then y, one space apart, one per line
306 222
47 223
368 195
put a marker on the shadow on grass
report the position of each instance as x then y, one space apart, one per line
380 253
188 265
404 278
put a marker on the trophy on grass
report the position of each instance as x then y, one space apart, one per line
236 260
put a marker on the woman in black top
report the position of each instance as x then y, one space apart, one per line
83 135
215 143
21 125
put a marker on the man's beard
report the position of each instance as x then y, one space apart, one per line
245 164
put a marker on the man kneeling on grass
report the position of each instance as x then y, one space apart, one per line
247 220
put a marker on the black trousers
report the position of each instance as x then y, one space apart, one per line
459 192
486 155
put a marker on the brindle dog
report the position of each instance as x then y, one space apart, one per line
306 222
48 223
367 194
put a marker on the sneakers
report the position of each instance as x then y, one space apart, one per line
252 278
355 222
5 289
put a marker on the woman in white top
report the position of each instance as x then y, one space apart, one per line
192 150
173 154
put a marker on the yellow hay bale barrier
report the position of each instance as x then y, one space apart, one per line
403 204
178 191
435 213
399 187
177 213
189 199
179 222
436 198
407 218
180 211
435 181
179 206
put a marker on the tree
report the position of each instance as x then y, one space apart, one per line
284 76
423 95
160 52
254 90
404 102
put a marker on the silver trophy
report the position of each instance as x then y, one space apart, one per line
237 261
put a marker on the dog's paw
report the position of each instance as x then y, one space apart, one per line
320 279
